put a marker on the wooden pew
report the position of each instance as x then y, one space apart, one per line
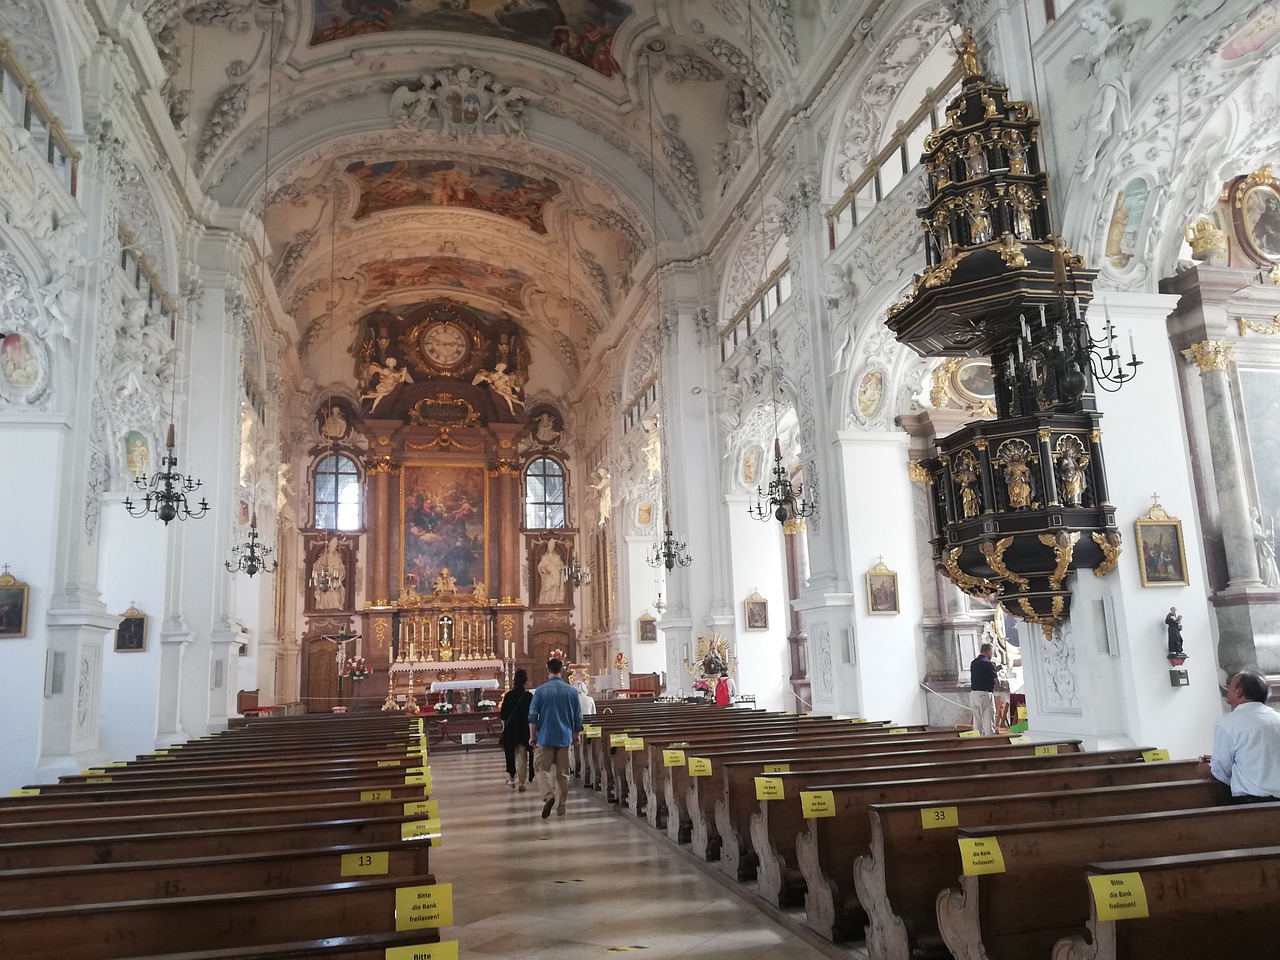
1043 896
201 876
1199 905
914 854
141 928
199 843
702 804
826 850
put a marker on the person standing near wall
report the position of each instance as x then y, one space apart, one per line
555 723
514 714
983 674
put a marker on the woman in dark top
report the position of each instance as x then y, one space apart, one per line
515 730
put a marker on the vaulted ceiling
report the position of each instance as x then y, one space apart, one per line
496 151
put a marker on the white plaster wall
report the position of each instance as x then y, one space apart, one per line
28 511
1125 689
637 583
759 563
888 651
133 564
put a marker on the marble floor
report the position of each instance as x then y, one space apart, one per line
591 883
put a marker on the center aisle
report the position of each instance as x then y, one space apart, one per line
582 885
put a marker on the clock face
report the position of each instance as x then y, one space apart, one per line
445 344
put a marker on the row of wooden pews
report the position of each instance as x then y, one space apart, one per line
282 838
941 843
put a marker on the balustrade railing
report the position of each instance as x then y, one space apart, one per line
23 99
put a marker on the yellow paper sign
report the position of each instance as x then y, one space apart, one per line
160 753
769 788
97 780
617 739
1151 756
418 723
419 780
699 767
118 763
818 803
368 796
897 729
1047 750
970 733
415 771
93 771
1020 738
425 951
590 732
673 758
26 792
1119 896
365 864
1022 713
678 746
426 906
777 768
388 763
859 720
421 830
980 855
932 818
632 744
422 808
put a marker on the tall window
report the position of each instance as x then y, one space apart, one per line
544 495
337 494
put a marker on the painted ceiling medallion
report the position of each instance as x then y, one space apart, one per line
485 279
395 184
581 30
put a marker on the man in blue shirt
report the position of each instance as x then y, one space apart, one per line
555 722
983 674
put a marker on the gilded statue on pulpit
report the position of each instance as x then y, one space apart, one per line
445 582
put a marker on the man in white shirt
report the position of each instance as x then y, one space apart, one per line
1246 743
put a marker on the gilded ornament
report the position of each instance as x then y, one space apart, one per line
1010 251
994 552
1063 545
1070 461
1015 458
916 472
969 54
1273 275
942 374
974 586
941 272
1109 544
1043 434
1244 323
794 525
965 474
1210 354
981 443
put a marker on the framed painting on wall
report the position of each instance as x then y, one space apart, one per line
13 605
1162 556
648 625
756 611
131 634
444 510
882 590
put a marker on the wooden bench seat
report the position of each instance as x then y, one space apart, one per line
826 849
1221 903
139 928
367 947
201 876
199 843
1042 895
913 856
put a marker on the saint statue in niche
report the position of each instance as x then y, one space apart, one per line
330 573
550 576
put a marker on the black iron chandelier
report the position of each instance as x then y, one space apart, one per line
166 491
576 574
669 551
251 556
783 500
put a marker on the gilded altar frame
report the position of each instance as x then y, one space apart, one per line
463 481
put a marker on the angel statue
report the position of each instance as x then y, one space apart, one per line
388 377
503 384
1110 61
411 109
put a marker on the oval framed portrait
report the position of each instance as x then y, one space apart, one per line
972 382
1255 210
868 395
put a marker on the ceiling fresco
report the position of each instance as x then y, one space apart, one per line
582 30
486 279
395 184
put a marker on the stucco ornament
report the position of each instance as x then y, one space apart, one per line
1110 62
460 103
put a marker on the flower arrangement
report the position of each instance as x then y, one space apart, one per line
701 685
557 654
444 707
486 705
356 669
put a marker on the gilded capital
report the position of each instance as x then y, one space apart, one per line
382 465
916 472
1209 354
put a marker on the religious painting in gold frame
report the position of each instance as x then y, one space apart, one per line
131 634
648 626
444 523
1162 555
13 606
1255 213
755 610
882 590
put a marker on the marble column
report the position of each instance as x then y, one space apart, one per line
1213 358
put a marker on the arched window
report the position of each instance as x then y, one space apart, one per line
337 485
544 495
